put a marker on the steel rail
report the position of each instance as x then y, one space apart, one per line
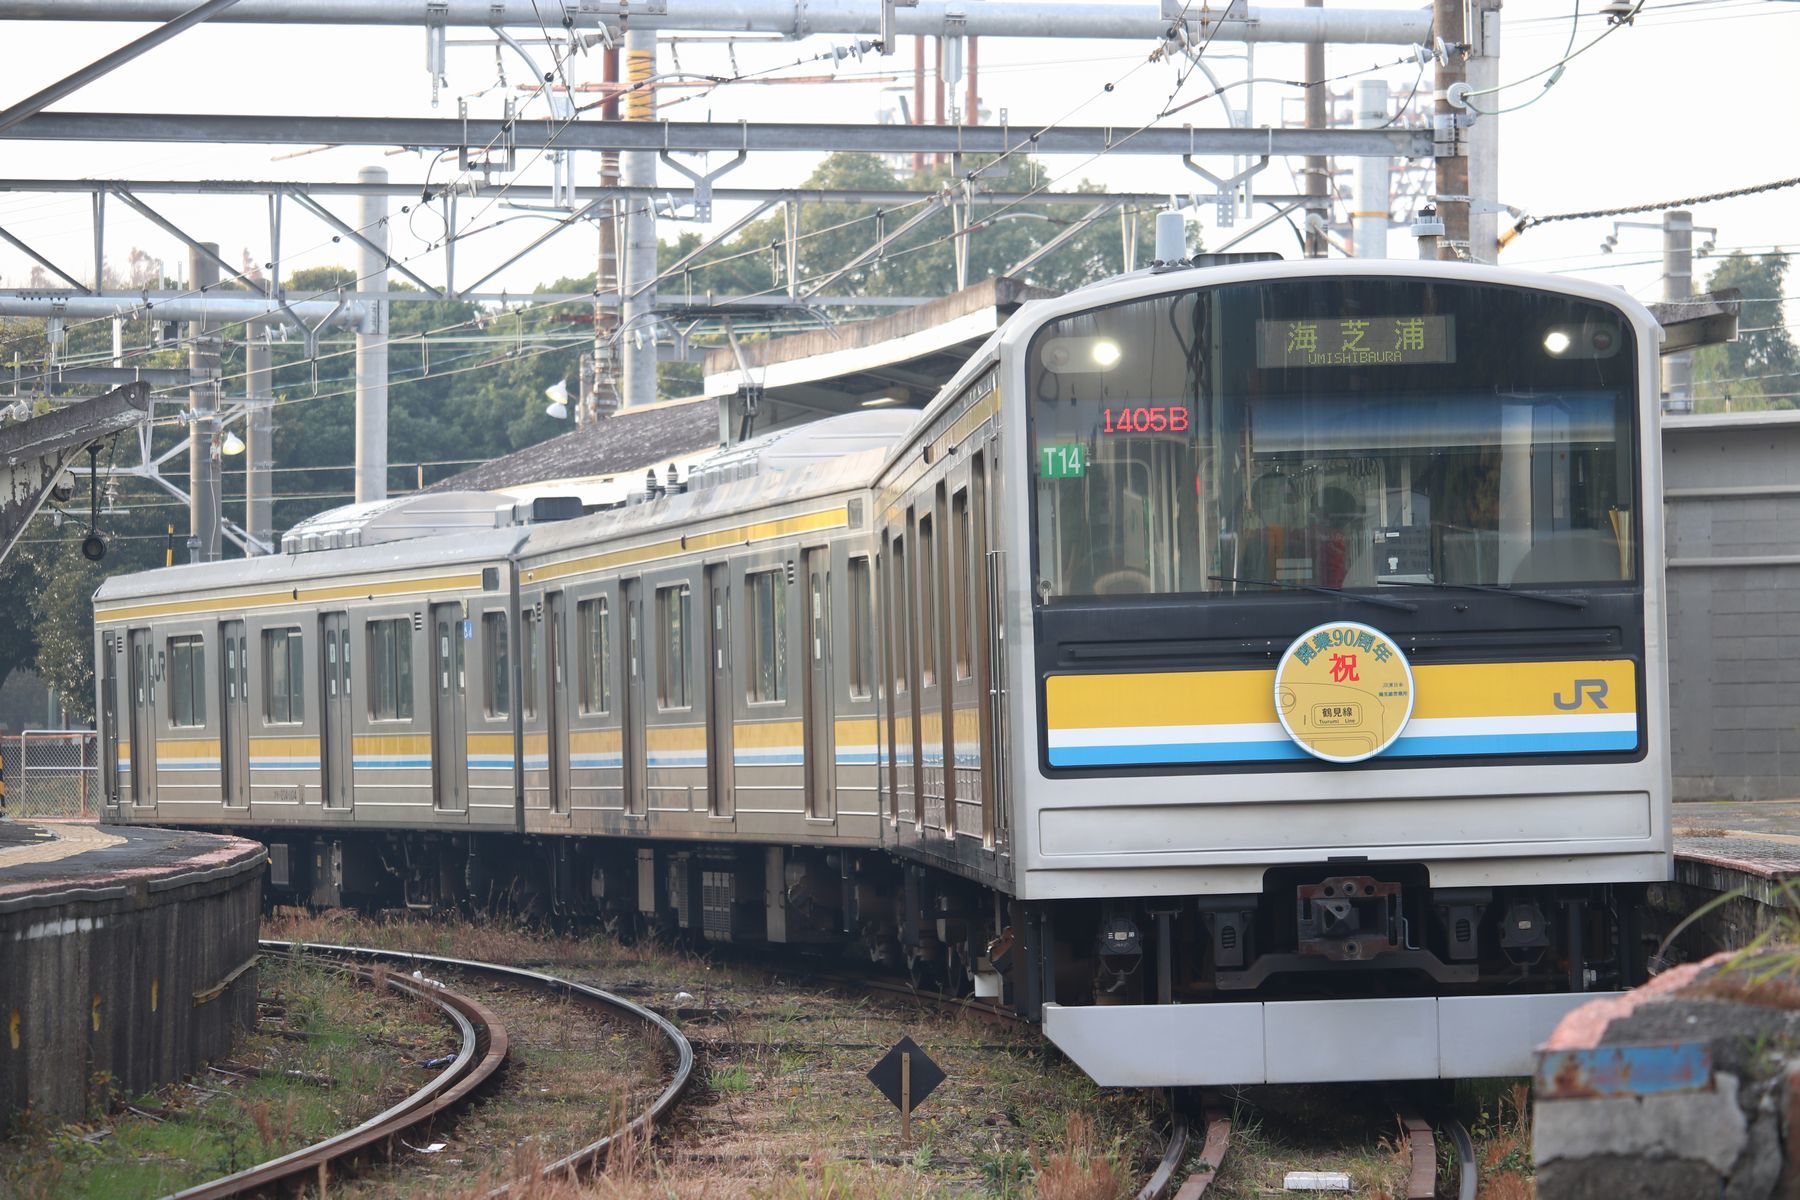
1164 1175
1212 1154
1468 1178
482 1051
594 1153
1421 1146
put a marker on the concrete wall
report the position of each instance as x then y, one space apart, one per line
111 983
1732 494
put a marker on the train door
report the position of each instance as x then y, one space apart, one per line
631 698
936 774
556 701
143 719
336 727
109 718
234 715
720 709
965 739
906 692
983 617
449 710
818 707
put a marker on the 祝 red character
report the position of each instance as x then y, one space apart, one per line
1343 669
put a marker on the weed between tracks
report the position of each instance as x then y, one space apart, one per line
329 1053
780 1108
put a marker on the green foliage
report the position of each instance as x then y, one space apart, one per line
1761 370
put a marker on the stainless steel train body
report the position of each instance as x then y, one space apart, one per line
1021 696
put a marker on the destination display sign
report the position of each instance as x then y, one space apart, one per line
1355 341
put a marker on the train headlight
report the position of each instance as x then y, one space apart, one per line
1557 342
1080 355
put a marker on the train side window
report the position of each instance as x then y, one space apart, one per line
596 657
768 636
528 663
673 604
962 557
187 682
497 690
928 603
390 664
283 670
862 630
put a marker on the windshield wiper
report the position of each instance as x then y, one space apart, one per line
1378 601
1502 589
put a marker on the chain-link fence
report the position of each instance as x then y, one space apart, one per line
52 773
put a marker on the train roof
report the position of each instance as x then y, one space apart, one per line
282 568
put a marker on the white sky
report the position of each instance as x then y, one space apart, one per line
1698 96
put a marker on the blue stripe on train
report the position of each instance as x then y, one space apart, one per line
1225 752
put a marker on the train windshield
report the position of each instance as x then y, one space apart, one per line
1342 433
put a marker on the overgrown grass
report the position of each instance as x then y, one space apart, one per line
330 1053
783 1109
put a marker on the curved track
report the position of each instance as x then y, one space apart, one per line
594 1153
1206 1158
483 1050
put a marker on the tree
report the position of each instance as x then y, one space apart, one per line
1761 369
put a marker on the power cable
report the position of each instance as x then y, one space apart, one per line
1529 222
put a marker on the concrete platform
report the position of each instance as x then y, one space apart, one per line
129 958
1748 845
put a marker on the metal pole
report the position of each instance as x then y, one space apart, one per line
1369 219
918 105
1452 168
1318 168
605 399
1483 71
259 439
1678 284
1133 21
108 63
203 399
637 332
972 103
937 76
371 345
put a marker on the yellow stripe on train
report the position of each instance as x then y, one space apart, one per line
1513 689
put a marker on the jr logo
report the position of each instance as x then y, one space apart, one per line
1584 690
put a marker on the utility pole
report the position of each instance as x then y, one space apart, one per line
1452 167
1373 202
259 436
637 342
1483 73
1318 167
203 399
372 344
918 104
605 397
972 103
1678 284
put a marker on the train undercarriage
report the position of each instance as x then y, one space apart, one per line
1332 930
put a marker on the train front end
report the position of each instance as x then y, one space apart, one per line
1344 744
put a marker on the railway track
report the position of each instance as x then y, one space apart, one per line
483 1050
1200 1144
481 1053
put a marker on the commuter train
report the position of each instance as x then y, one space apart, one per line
1256 673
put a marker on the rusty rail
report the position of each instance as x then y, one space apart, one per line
482 1051
1212 1154
1421 1184
594 1154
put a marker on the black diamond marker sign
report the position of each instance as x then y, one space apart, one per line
925 1075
